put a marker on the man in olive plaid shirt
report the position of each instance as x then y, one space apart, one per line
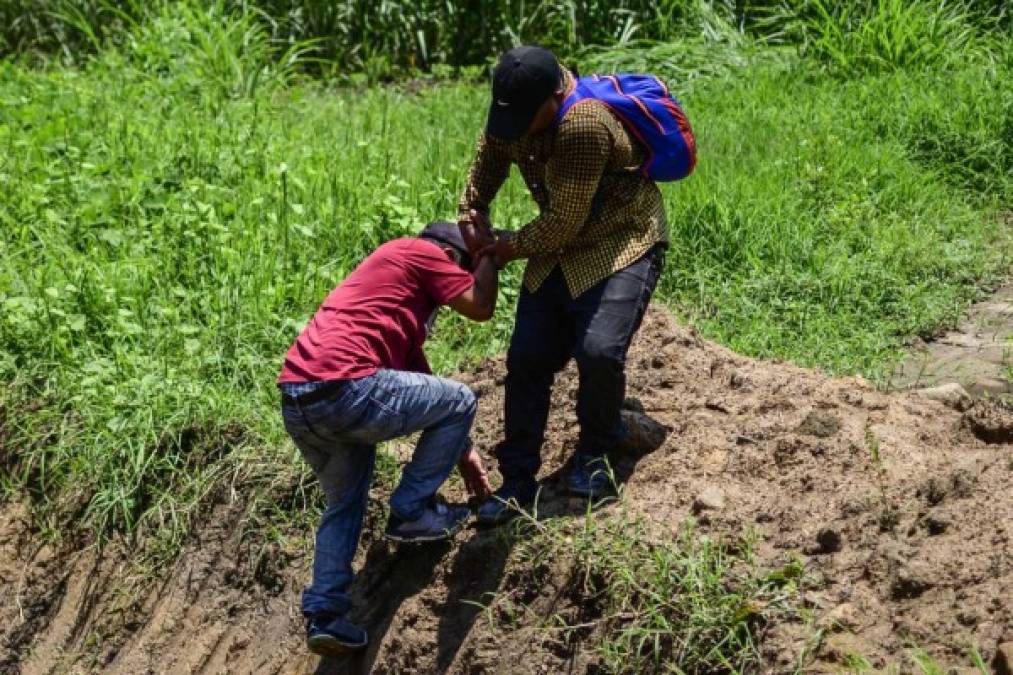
594 255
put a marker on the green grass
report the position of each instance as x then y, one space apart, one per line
821 239
378 40
872 36
174 211
920 661
643 602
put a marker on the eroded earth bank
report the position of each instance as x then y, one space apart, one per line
899 509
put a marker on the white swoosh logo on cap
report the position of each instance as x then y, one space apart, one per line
502 104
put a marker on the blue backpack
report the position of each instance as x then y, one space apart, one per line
650 113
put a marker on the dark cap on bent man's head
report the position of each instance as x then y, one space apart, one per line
522 81
447 234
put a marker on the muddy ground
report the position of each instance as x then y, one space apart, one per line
900 507
977 353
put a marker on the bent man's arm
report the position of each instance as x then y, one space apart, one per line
489 170
478 303
572 175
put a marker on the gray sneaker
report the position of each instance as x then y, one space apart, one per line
437 523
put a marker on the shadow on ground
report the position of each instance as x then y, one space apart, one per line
390 574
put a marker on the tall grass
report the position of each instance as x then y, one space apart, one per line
68 28
383 36
381 39
874 36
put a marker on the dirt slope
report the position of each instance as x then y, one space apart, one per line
902 507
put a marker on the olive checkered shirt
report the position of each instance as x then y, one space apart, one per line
597 212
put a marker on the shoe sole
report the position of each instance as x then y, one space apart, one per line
505 516
328 645
495 522
425 539
589 494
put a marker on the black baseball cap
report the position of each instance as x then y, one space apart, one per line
447 234
524 78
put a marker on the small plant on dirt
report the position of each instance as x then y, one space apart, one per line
927 665
872 443
888 518
857 663
977 660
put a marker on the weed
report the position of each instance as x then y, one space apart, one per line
927 665
379 39
857 663
872 444
682 604
889 518
880 35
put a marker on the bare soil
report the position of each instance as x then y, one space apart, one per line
900 507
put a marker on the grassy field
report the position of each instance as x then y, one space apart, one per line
175 207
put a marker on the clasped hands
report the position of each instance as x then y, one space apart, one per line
482 241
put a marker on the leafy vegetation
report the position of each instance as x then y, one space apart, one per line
381 37
176 206
176 209
881 35
378 39
918 660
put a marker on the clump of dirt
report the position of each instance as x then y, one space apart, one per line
819 424
991 421
898 506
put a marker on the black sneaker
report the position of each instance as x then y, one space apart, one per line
437 523
334 635
590 477
506 503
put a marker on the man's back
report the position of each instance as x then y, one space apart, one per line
376 318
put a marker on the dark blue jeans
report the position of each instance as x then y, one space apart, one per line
337 437
595 329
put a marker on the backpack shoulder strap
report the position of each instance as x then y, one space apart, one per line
580 92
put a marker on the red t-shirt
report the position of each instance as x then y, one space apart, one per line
376 318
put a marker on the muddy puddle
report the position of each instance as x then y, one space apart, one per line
978 354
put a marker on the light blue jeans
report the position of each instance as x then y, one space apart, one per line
337 436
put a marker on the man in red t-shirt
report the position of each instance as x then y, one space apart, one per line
357 376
